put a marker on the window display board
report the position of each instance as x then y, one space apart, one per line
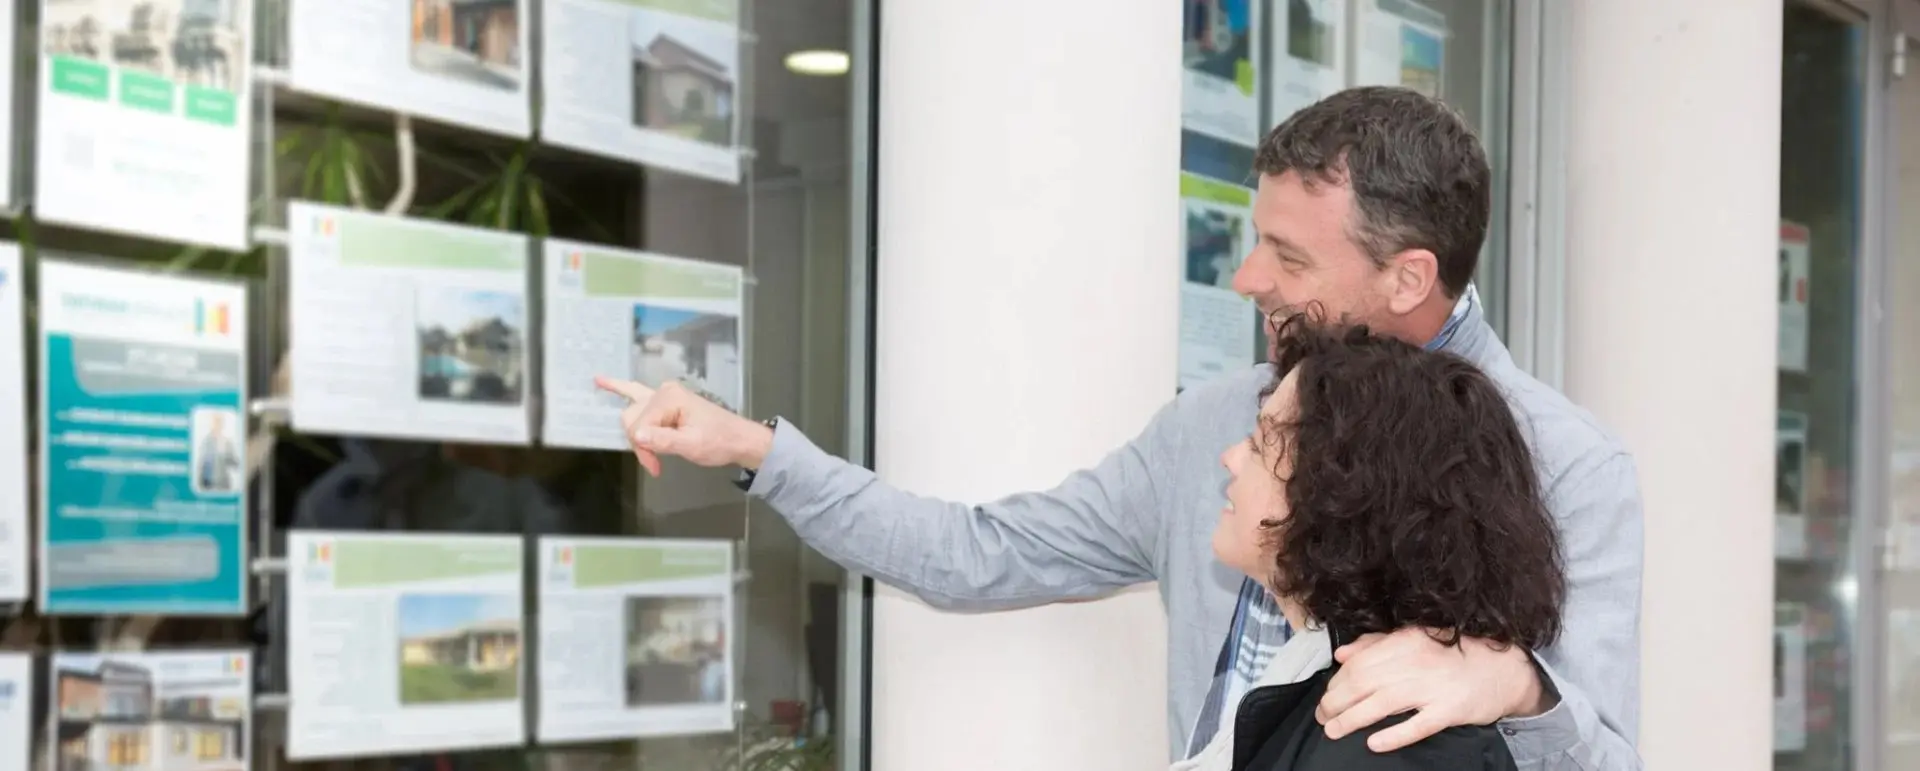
146 118
16 711
651 81
639 316
1796 255
635 638
143 428
462 62
151 711
1219 96
406 328
1309 54
1789 677
1216 337
1790 485
15 546
1400 43
403 643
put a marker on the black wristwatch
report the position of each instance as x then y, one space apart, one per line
745 480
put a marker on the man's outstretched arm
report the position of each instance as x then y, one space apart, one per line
1096 532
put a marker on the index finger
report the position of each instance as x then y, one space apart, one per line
632 391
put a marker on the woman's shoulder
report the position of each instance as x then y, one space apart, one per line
1479 748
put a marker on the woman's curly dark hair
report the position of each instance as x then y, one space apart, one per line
1413 497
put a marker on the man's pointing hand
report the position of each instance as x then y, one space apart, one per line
673 420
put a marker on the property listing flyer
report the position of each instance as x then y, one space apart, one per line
143 473
1789 677
1796 255
406 328
1790 485
1401 43
462 62
1216 324
402 643
634 638
1218 95
15 548
16 711
145 118
1309 55
151 711
649 81
647 317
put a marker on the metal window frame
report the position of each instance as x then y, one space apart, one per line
1536 202
853 729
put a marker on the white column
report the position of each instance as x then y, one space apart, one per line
1672 211
1027 318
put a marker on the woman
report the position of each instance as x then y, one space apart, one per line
1384 487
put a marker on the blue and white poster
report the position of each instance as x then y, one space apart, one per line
143 466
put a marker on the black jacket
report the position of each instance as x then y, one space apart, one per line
1275 730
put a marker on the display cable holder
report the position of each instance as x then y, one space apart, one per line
271 76
404 157
271 702
271 409
269 235
269 566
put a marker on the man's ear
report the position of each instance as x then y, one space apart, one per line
1412 277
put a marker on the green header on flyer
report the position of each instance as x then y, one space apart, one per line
370 241
614 565
374 562
1243 76
609 275
1213 190
723 11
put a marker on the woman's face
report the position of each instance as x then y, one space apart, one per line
1256 488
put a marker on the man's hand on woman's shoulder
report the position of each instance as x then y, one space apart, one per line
1473 683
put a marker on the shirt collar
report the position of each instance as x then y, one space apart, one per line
1461 309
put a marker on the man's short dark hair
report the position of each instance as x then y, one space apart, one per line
1413 499
1419 175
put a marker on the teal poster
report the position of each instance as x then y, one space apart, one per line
143 463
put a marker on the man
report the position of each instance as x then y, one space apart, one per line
1373 203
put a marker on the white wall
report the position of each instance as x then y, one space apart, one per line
1672 209
1027 314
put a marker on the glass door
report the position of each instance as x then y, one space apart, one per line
1898 614
1825 66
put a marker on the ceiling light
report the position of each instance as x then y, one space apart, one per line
819 62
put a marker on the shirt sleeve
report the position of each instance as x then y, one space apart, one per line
1099 530
1594 668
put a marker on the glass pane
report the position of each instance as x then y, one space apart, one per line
784 226
1901 692
1815 519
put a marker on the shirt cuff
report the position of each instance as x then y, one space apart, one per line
790 453
1548 734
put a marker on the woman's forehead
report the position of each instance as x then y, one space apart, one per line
1279 404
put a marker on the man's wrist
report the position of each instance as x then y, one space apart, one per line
756 442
